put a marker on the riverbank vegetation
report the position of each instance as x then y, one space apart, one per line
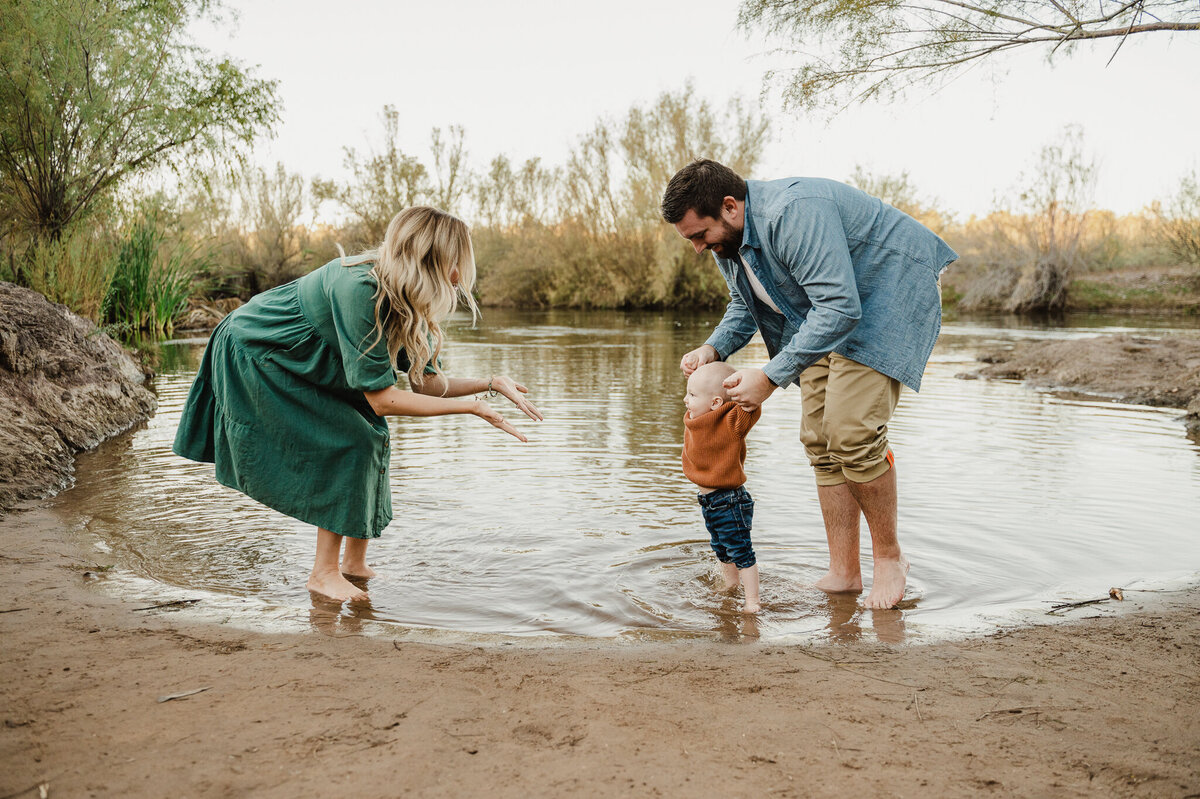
94 95
128 213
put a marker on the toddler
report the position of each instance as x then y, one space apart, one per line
714 450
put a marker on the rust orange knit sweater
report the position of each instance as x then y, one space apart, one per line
714 446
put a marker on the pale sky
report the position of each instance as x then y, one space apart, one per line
528 79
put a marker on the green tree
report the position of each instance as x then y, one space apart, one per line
95 91
855 50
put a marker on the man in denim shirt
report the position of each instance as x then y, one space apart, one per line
844 290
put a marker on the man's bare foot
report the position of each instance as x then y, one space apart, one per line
358 570
887 583
334 586
837 584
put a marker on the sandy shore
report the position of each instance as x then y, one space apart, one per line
1108 706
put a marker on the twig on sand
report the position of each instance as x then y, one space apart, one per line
170 604
1113 593
183 694
13 610
916 704
1012 711
1053 611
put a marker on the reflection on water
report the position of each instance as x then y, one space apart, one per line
1009 497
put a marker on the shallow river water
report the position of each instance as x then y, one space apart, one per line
1010 498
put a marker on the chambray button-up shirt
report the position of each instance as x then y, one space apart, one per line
849 274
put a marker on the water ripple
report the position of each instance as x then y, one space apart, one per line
1008 496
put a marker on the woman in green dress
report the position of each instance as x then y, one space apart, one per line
291 395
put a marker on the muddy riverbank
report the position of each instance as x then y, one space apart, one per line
1163 372
1105 706
64 387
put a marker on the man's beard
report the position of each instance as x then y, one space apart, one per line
730 243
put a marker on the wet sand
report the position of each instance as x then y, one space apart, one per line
1103 706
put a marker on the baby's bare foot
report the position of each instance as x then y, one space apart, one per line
729 578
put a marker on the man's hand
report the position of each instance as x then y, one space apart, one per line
749 388
697 358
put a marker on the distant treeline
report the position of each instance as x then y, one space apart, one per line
587 233
97 104
583 234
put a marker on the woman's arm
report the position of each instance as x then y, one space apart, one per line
433 385
443 386
394 402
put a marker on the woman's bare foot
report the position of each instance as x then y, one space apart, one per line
358 570
334 586
887 583
751 607
839 584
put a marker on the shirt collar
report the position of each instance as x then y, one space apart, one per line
749 234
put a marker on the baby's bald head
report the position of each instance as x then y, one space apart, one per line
704 386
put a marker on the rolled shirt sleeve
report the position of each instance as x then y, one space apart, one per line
808 239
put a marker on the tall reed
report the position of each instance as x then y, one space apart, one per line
151 281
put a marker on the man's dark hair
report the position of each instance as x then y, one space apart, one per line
701 186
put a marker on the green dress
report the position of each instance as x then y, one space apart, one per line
278 402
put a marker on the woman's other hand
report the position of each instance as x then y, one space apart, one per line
510 388
495 418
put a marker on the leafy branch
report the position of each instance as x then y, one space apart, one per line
852 51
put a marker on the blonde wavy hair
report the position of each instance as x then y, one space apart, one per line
412 267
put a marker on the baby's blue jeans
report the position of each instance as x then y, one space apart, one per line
728 514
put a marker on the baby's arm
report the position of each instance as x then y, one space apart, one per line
741 421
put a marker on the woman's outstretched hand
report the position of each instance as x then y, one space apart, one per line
496 419
510 388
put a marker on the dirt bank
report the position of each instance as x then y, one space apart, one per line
64 387
1104 707
1162 372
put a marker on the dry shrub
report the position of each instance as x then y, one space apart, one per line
75 270
1028 255
589 234
1178 222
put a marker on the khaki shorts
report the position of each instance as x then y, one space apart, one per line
847 407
